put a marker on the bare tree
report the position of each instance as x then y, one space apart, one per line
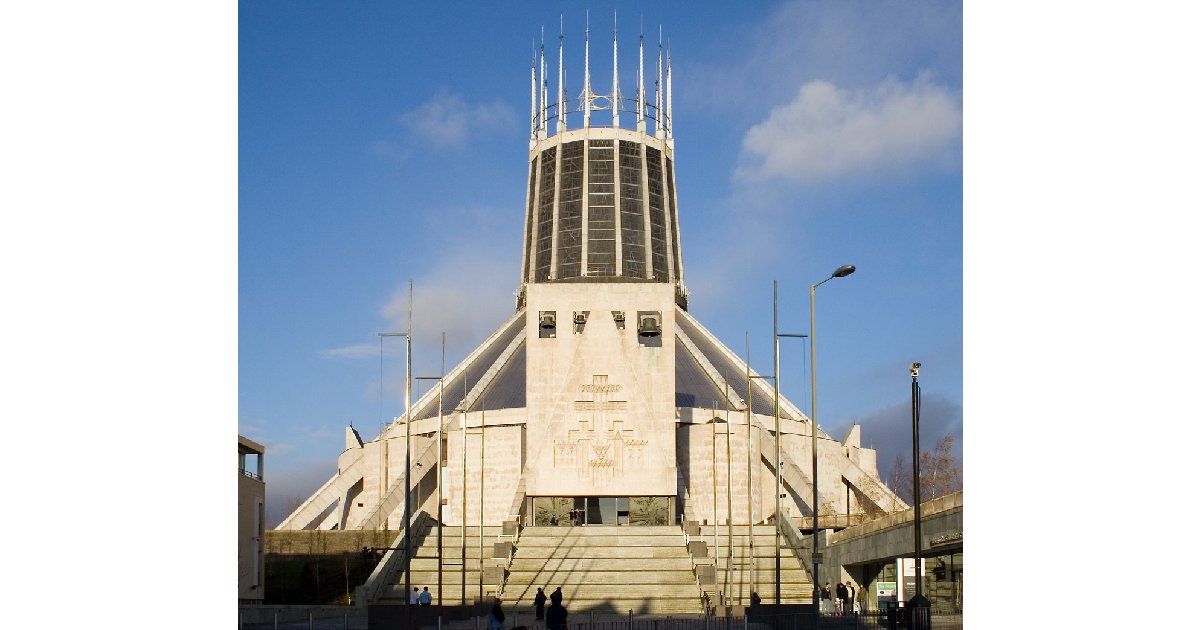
941 473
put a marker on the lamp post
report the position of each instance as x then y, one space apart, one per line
383 454
778 438
840 272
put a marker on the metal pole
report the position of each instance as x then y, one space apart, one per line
812 355
728 500
916 419
440 515
749 462
778 437
482 428
407 448
716 537
462 538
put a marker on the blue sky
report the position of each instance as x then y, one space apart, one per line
381 143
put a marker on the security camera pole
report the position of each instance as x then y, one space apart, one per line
918 605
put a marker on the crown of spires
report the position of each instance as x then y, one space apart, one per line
559 109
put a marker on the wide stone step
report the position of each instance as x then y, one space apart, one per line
588 551
603 530
579 607
521 563
601 541
556 578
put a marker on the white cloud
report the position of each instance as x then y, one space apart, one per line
446 121
357 351
826 132
467 288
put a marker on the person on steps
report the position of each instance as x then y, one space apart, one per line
539 604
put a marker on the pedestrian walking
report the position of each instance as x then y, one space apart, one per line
539 604
426 598
496 618
556 615
826 598
843 596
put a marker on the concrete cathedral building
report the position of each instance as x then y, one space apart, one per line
601 401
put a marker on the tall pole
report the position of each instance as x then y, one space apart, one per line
728 497
482 428
407 448
812 369
749 462
916 420
778 436
462 538
441 521
716 538
840 272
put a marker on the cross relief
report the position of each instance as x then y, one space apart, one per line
602 447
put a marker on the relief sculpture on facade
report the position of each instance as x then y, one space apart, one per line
602 447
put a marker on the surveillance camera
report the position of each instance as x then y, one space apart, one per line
914 369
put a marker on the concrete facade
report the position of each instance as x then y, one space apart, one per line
251 520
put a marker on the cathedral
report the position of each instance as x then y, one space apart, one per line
601 400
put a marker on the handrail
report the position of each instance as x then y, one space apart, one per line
249 474
388 567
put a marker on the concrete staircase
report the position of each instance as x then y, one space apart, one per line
756 573
425 565
605 569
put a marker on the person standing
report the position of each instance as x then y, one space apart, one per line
556 615
843 596
556 596
861 598
415 596
539 604
496 618
826 598
426 598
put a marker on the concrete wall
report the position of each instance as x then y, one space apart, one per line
250 523
325 542
601 405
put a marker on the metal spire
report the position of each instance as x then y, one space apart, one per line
533 105
641 91
585 99
658 112
542 83
670 125
562 87
616 89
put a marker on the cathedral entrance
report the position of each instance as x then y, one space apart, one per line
596 510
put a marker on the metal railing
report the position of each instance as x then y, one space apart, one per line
249 474
390 567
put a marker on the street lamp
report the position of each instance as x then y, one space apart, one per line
840 272
778 438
